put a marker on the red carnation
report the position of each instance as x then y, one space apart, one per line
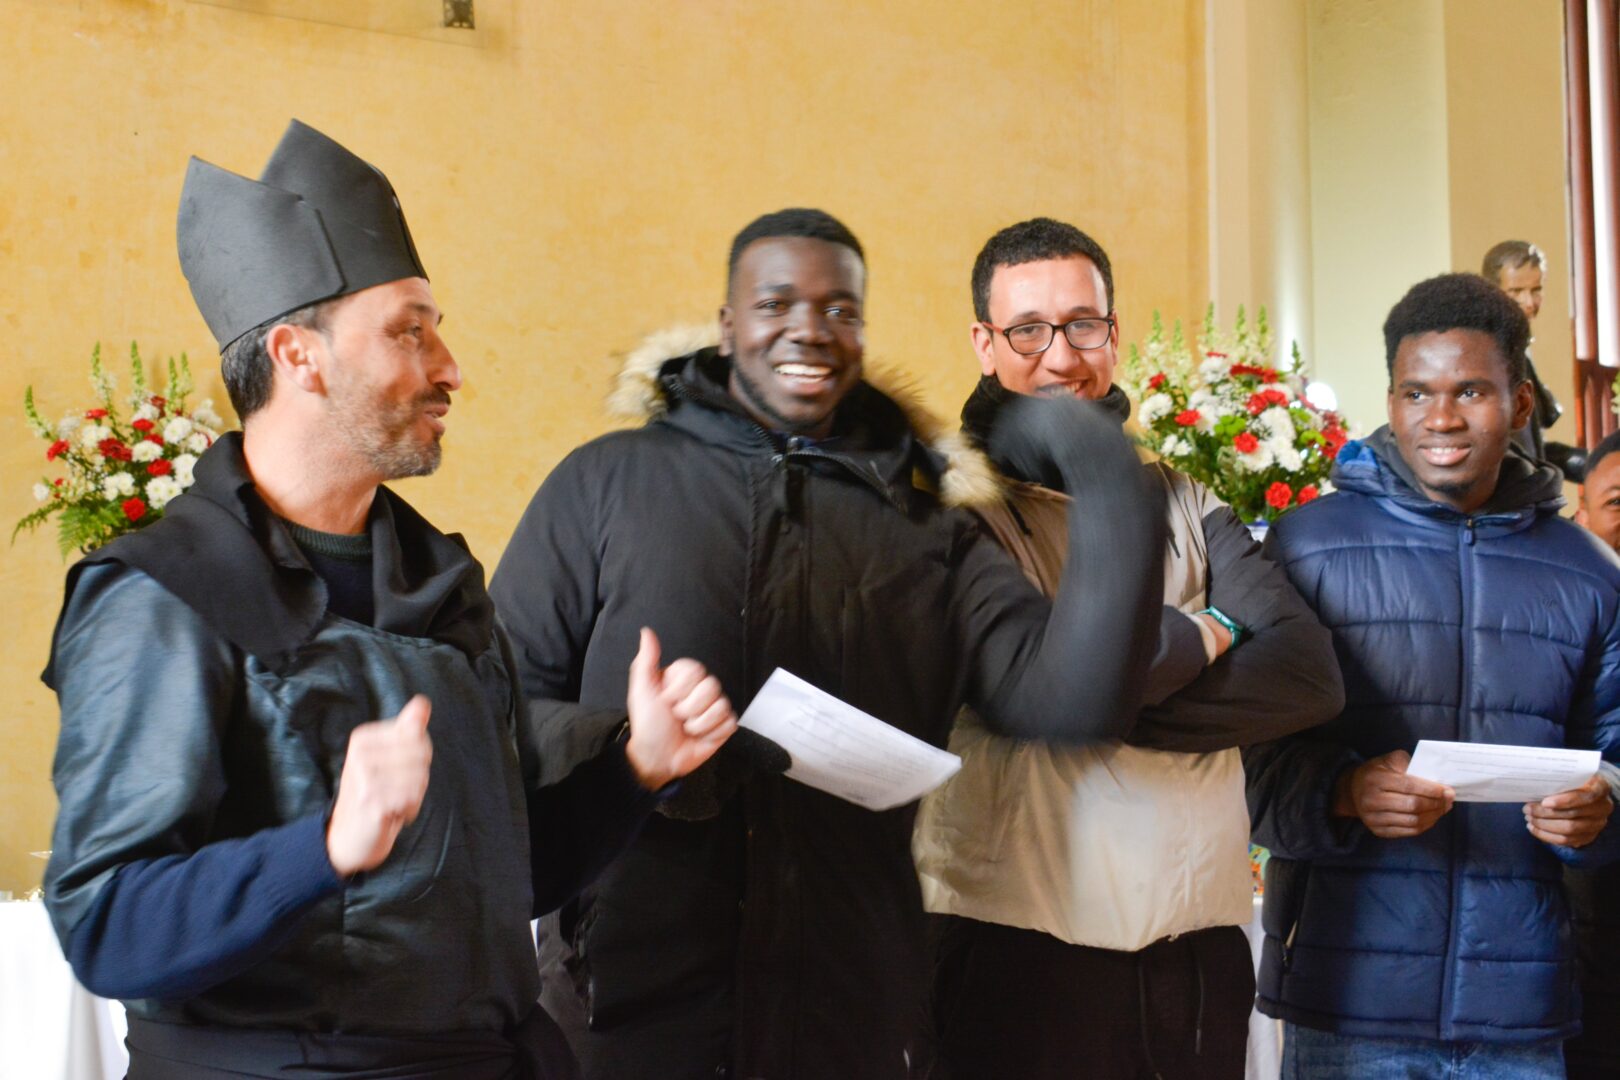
1256 404
1279 495
1213 355
1245 442
134 509
1307 493
160 468
96 414
158 439
159 402
1187 417
1335 437
58 448
1274 396
1157 381
113 450
143 426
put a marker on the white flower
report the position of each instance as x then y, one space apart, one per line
1278 426
1214 368
182 469
92 434
1259 459
147 411
197 442
145 451
1287 456
160 490
1155 408
68 425
1176 446
207 417
1202 400
42 492
117 486
176 429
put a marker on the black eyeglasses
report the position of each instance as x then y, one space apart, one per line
1033 338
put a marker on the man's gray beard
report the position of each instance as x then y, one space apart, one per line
383 440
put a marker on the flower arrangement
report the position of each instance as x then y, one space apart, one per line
1227 416
118 474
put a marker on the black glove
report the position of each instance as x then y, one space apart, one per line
705 789
1064 444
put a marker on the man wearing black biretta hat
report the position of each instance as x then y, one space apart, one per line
264 846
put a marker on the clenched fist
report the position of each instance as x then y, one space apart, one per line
678 716
385 777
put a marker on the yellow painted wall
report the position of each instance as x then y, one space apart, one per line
1505 107
1260 190
1380 195
572 183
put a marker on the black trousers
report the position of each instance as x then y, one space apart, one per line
1015 1004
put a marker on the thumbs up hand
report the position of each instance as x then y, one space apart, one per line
385 778
678 716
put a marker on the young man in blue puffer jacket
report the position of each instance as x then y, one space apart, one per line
1407 935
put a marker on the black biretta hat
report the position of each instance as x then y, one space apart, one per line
318 224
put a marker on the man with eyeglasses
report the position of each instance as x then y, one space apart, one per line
775 509
1094 895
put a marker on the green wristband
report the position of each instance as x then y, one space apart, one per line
1221 617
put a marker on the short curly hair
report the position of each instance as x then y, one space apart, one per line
1460 302
796 221
1030 241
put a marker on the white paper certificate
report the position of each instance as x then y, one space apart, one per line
838 749
1490 772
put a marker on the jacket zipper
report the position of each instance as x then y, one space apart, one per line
1464 704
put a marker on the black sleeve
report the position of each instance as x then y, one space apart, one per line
145 905
545 591
585 804
1071 671
1180 658
1283 678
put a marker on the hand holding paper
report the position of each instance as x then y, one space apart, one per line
838 749
1490 772
1571 818
1389 800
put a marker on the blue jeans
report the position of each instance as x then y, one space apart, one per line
1309 1054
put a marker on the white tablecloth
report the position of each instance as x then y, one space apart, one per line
51 1028
1265 1034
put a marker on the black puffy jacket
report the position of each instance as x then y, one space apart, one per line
784 937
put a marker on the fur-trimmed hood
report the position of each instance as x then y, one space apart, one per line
964 476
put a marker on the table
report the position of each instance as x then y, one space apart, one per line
51 1028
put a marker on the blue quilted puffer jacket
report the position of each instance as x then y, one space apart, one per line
1500 627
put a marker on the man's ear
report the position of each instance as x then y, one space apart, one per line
1580 516
294 357
1524 401
984 347
728 334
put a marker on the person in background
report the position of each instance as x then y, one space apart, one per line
759 927
1407 934
1519 268
1065 951
303 825
1599 510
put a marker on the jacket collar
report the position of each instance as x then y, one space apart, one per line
220 549
1374 466
883 436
